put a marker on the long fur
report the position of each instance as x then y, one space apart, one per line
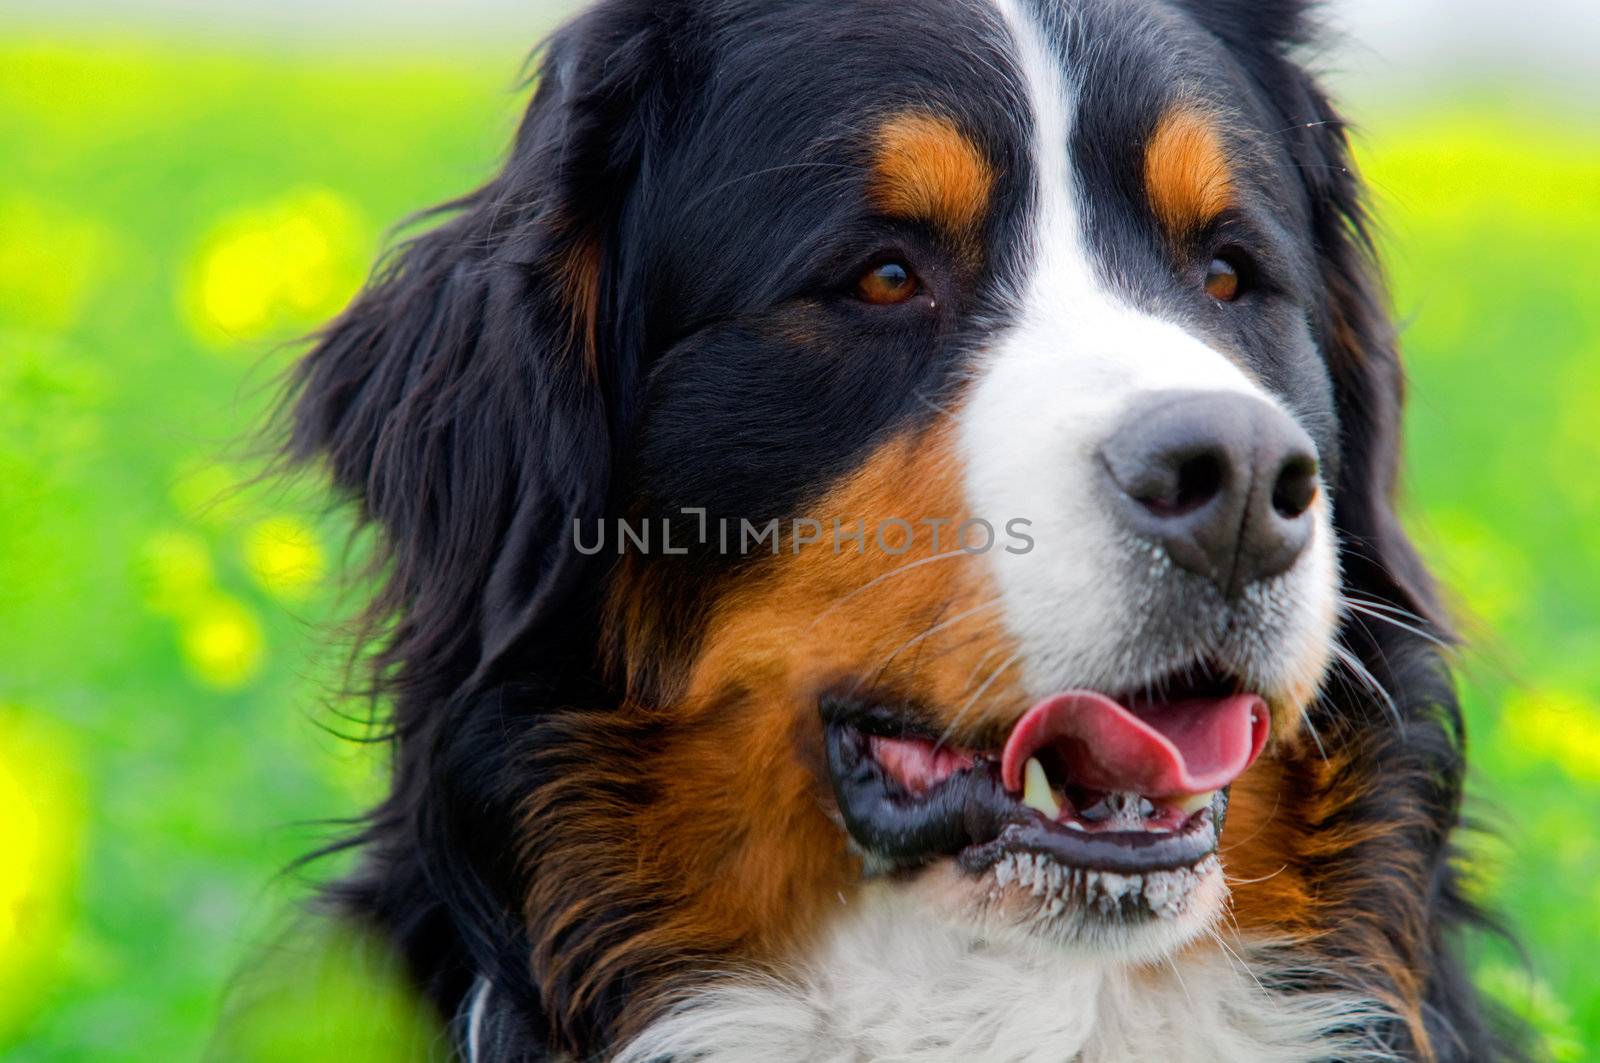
889 984
485 391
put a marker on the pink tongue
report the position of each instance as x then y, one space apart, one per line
1188 747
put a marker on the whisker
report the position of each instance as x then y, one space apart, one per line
1254 881
1388 607
1316 736
1301 125
942 411
1242 964
1277 802
1365 609
929 632
978 667
898 570
1173 963
956 720
1361 672
1231 917
1345 683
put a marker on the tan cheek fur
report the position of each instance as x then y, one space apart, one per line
1287 846
732 848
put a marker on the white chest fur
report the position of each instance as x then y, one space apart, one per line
890 984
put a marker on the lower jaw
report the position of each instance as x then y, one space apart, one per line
1050 891
1052 877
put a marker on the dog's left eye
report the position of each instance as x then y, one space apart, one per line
887 283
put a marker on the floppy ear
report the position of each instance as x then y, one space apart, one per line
1352 318
462 398
1358 340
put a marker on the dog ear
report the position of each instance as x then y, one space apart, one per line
1358 338
1352 318
462 399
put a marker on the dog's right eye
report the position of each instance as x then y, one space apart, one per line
887 283
1223 281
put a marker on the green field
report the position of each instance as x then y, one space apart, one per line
169 216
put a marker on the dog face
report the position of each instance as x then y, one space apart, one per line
898 443
1018 301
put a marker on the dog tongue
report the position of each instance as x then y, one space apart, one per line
1167 750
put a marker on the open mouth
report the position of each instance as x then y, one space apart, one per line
1084 782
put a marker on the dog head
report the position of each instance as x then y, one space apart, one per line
932 443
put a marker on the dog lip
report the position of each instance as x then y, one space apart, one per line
1123 852
897 826
970 815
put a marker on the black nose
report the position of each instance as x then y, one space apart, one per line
1224 482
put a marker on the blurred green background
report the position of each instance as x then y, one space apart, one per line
173 209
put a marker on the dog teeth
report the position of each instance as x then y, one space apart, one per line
1036 792
1195 802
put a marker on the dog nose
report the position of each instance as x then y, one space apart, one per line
1224 482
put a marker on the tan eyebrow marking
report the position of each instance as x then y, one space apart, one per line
1186 173
926 169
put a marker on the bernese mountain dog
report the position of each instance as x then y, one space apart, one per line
888 550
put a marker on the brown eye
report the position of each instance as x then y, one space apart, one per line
1222 281
887 284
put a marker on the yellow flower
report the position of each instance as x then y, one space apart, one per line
222 643
1448 170
284 556
19 853
41 825
1553 726
275 268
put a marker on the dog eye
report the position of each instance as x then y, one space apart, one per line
1224 279
887 283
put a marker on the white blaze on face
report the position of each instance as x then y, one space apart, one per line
1052 387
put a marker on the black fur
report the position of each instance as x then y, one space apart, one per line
458 404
